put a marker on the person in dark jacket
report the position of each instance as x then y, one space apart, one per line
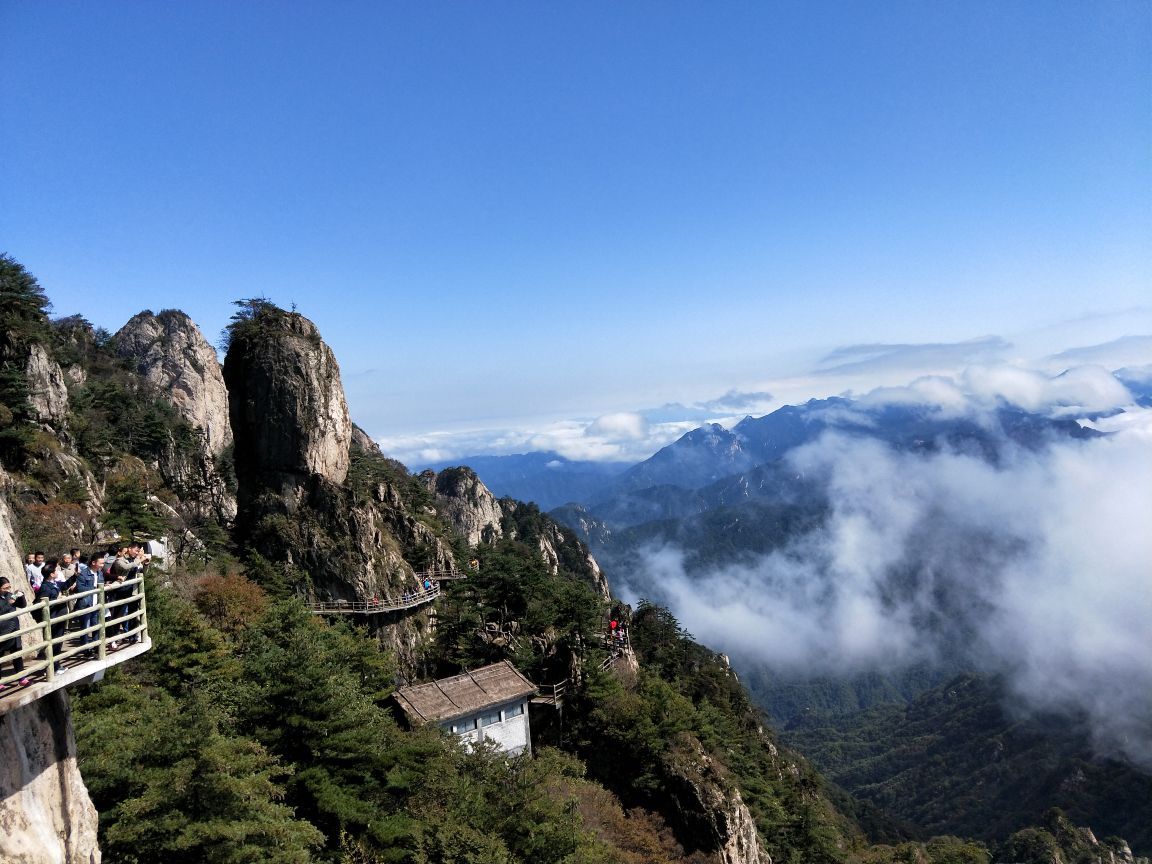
51 589
11 601
89 576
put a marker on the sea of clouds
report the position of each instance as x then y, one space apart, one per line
1038 568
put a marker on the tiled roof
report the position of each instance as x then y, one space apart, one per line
464 694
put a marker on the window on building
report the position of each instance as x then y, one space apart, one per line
464 725
490 718
514 711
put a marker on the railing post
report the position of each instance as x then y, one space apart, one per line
101 653
143 620
50 670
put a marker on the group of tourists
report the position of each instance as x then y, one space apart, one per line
73 574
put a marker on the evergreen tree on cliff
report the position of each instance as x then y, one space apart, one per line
23 322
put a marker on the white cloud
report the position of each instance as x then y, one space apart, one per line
909 358
1088 388
621 426
1037 569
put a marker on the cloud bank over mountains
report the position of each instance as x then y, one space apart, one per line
1039 569
959 376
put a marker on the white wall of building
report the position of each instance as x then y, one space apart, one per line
505 725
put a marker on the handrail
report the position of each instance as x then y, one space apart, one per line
372 607
55 650
442 574
376 605
552 694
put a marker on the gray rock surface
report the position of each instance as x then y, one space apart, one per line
712 805
466 504
48 390
286 402
172 354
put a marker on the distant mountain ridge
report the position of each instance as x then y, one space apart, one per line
543 477
712 467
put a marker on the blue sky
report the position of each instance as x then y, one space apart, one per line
511 218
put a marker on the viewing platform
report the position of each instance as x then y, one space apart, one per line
79 662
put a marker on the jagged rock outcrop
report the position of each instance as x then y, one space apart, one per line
1061 842
45 812
47 388
551 542
556 543
466 504
362 441
710 806
171 353
286 403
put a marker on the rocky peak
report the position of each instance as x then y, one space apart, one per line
286 401
172 354
466 504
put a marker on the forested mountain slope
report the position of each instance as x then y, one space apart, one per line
956 760
256 730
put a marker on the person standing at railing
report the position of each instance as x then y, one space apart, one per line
11 601
115 591
89 576
52 589
35 579
32 568
67 567
129 565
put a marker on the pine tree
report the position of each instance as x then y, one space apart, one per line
23 322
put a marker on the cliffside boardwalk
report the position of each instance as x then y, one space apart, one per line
375 605
79 659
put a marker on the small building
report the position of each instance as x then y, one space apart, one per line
486 704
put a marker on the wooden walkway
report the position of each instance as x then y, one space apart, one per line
377 606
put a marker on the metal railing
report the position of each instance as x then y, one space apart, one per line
551 694
438 575
376 605
111 614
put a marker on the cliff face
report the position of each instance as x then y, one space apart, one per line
287 407
555 542
171 354
48 389
45 812
298 507
712 806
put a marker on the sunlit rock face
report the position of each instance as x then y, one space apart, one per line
710 806
45 812
171 353
289 416
466 504
47 388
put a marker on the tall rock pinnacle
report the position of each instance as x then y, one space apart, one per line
289 417
170 351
